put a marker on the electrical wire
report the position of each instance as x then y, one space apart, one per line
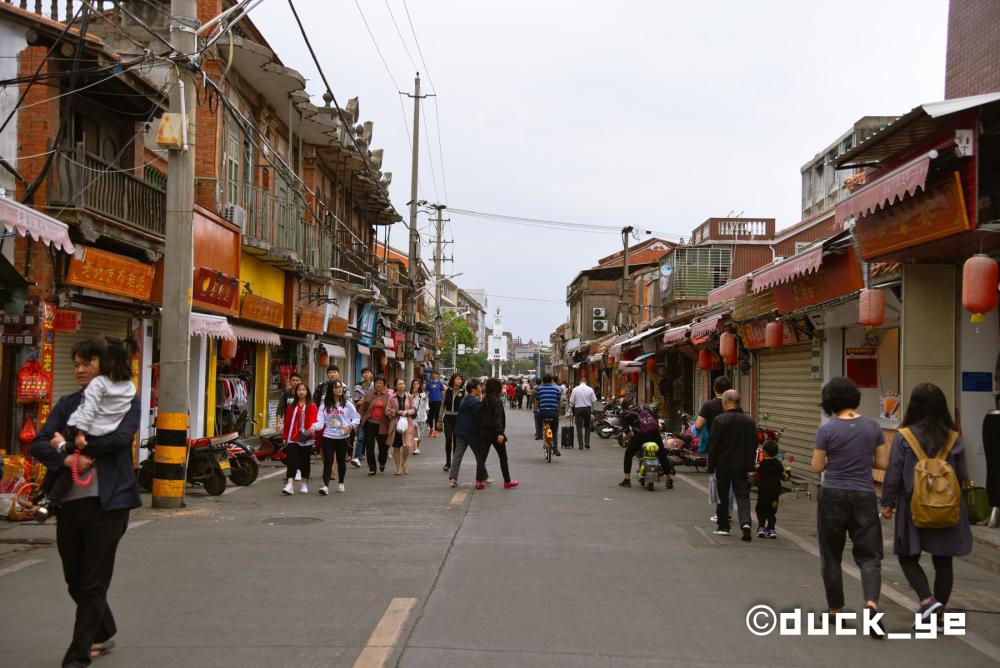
400 33
527 299
555 224
82 88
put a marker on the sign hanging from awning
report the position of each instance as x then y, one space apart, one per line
787 270
390 354
839 276
884 192
261 309
111 273
211 326
310 320
256 335
734 288
27 222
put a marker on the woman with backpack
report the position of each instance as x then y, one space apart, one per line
645 428
935 518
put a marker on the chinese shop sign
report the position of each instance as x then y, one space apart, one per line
111 273
262 310
215 287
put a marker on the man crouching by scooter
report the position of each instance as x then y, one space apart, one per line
645 428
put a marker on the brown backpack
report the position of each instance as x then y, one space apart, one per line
936 500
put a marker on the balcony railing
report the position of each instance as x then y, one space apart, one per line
84 181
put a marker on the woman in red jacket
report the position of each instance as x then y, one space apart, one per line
300 423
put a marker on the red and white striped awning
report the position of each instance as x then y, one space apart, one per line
798 265
211 326
705 327
734 288
27 222
676 335
880 194
256 335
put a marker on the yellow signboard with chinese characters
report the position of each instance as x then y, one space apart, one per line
109 272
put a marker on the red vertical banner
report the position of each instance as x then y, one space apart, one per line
48 320
136 366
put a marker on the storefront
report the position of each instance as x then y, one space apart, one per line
274 358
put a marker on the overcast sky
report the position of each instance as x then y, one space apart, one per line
653 114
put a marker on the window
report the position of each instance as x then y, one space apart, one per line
232 169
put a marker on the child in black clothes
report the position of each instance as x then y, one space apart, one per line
770 474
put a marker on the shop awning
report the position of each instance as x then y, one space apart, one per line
595 359
27 222
734 288
798 265
256 335
643 357
644 335
365 350
884 192
211 326
630 364
390 354
676 335
704 328
334 350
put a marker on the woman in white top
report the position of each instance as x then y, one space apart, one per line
340 420
420 401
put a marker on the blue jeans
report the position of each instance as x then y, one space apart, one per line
541 417
359 443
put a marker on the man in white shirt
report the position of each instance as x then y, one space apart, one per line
582 400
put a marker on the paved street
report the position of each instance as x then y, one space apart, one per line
567 570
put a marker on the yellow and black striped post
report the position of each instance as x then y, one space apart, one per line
169 460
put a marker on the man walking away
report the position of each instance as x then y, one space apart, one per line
582 400
731 449
547 397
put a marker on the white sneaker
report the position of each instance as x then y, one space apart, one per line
340 487
713 518
298 476
287 490
356 463
304 488
488 481
453 483
416 451
324 490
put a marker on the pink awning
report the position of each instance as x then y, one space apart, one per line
795 266
902 181
676 335
734 288
30 223
256 335
211 326
705 327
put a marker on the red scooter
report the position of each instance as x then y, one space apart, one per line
683 448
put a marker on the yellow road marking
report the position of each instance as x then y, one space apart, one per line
383 639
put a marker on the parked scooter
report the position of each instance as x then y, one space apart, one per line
271 446
611 426
682 448
207 464
650 469
242 462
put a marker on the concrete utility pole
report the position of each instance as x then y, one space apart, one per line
626 293
438 279
170 457
414 256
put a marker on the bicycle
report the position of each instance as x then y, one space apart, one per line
548 438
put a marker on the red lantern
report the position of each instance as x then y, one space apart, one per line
774 335
705 359
727 348
979 286
228 349
871 308
650 365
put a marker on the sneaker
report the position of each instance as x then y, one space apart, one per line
721 532
446 468
929 608
416 451
371 473
556 452
761 532
480 485
356 463
511 485
489 481
772 533
453 482
381 469
287 490
714 519
324 490
304 488
340 487
625 483
746 533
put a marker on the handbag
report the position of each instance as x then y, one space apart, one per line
402 424
978 503
713 490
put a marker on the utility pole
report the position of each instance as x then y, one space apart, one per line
170 457
414 255
626 292
438 279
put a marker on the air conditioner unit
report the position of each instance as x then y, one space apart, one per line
600 325
235 214
600 312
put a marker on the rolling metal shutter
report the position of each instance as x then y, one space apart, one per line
93 325
790 397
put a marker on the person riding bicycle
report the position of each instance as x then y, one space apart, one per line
547 397
645 428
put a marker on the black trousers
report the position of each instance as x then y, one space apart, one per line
767 510
87 538
299 459
433 414
581 418
501 449
371 438
481 450
335 447
737 480
840 513
449 437
636 442
944 577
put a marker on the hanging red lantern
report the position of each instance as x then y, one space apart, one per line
871 308
650 365
979 286
727 348
705 359
324 358
227 350
774 335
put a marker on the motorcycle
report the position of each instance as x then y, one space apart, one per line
682 449
650 469
271 446
242 461
765 435
611 426
207 464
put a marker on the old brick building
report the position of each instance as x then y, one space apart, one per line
973 65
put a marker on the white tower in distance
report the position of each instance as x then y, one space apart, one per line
497 351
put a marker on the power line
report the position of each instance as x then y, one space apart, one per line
526 299
400 33
553 224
